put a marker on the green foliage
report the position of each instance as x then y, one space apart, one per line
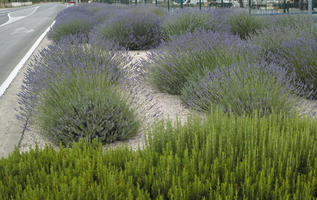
270 40
192 54
85 106
245 25
132 30
225 157
298 22
171 73
185 22
72 27
242 89
157 11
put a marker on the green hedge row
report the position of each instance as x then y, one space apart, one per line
225 157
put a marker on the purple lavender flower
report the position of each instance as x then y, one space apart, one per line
244 88
178 59
73 21
59 62
300 57
132 30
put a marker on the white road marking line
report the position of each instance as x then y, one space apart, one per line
16 70
14 19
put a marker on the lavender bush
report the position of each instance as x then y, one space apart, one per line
85 106
243 89
103 12
298 22
220 18
157 11
269 40
62 61
131 30
177 60
186 20
300 55
245 25
73 21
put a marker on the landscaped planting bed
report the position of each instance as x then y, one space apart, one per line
209 105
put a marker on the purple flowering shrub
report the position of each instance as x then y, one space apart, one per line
220 18
298 22
60 63
103 12
182 21
85 106
282 29
243 89
73 21
245 25
269 40
131 30
300 56
157 11
178 59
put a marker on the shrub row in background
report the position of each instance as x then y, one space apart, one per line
246 25
225 157
132 30
186 21
72 21
137 27
134 27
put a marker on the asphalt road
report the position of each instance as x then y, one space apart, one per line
19 29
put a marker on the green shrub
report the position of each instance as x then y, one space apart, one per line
132 30
299 22
226 157
269 40
243 89
157 11
192 53
245 25
85 106
73 21
300 56
185 22
69 28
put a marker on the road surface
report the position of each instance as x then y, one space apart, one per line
19 29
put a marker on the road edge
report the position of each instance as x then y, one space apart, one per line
4 86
